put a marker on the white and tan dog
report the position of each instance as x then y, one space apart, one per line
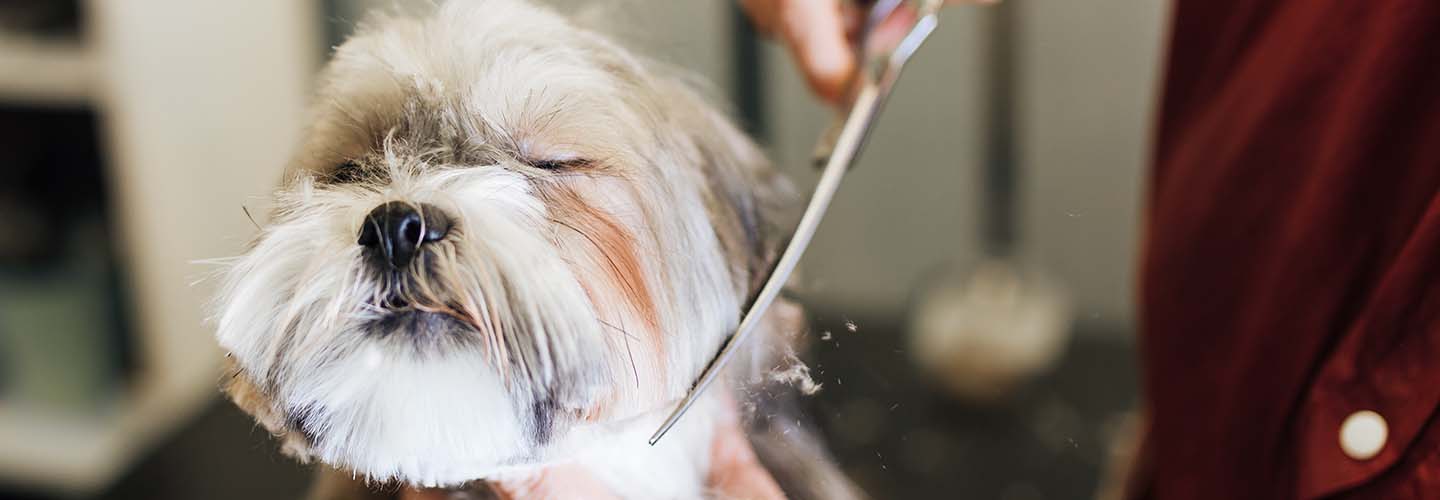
507 247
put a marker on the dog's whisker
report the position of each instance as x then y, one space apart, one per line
631 354
251 217
625 337
611 326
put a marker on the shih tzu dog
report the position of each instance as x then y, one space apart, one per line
507 247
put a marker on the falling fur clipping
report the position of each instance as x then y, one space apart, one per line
508 246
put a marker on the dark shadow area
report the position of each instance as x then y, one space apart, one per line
899 436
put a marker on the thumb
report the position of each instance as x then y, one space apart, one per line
815 32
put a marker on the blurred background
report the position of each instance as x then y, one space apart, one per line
971 289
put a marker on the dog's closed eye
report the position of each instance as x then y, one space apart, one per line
560 163
346 173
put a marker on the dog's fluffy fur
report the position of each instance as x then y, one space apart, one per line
608 226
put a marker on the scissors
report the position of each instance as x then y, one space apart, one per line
878 70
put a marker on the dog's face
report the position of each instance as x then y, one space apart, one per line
500 228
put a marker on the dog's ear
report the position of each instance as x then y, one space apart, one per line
751 205
253 399
759 201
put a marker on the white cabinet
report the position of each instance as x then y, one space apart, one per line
199 105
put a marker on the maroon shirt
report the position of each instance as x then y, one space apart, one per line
1291 272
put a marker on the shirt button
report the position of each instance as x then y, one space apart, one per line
1363 435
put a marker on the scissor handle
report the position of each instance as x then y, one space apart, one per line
874 64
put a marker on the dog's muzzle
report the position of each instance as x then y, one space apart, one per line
395 231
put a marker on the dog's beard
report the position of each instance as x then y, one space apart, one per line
524 317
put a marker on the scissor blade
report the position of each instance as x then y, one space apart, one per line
852 136
863 110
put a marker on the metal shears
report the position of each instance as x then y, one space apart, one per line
878 69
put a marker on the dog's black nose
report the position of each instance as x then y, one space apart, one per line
396 230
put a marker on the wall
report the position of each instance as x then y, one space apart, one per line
1086 82
1089 82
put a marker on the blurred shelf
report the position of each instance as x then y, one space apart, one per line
45 71
79 454
163 77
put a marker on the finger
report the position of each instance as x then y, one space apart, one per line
735 471
854 17
566 481
891 30
815 32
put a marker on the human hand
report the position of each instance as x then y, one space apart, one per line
735 472
820 34
564 481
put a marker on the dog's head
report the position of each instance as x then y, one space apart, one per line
501 226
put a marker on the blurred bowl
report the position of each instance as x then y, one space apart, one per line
984 333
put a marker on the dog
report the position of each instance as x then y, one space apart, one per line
509 245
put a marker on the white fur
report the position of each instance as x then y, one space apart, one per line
447 110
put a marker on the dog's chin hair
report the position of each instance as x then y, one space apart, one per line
417 422
342 382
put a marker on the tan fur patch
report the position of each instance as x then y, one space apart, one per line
257 402
614 245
